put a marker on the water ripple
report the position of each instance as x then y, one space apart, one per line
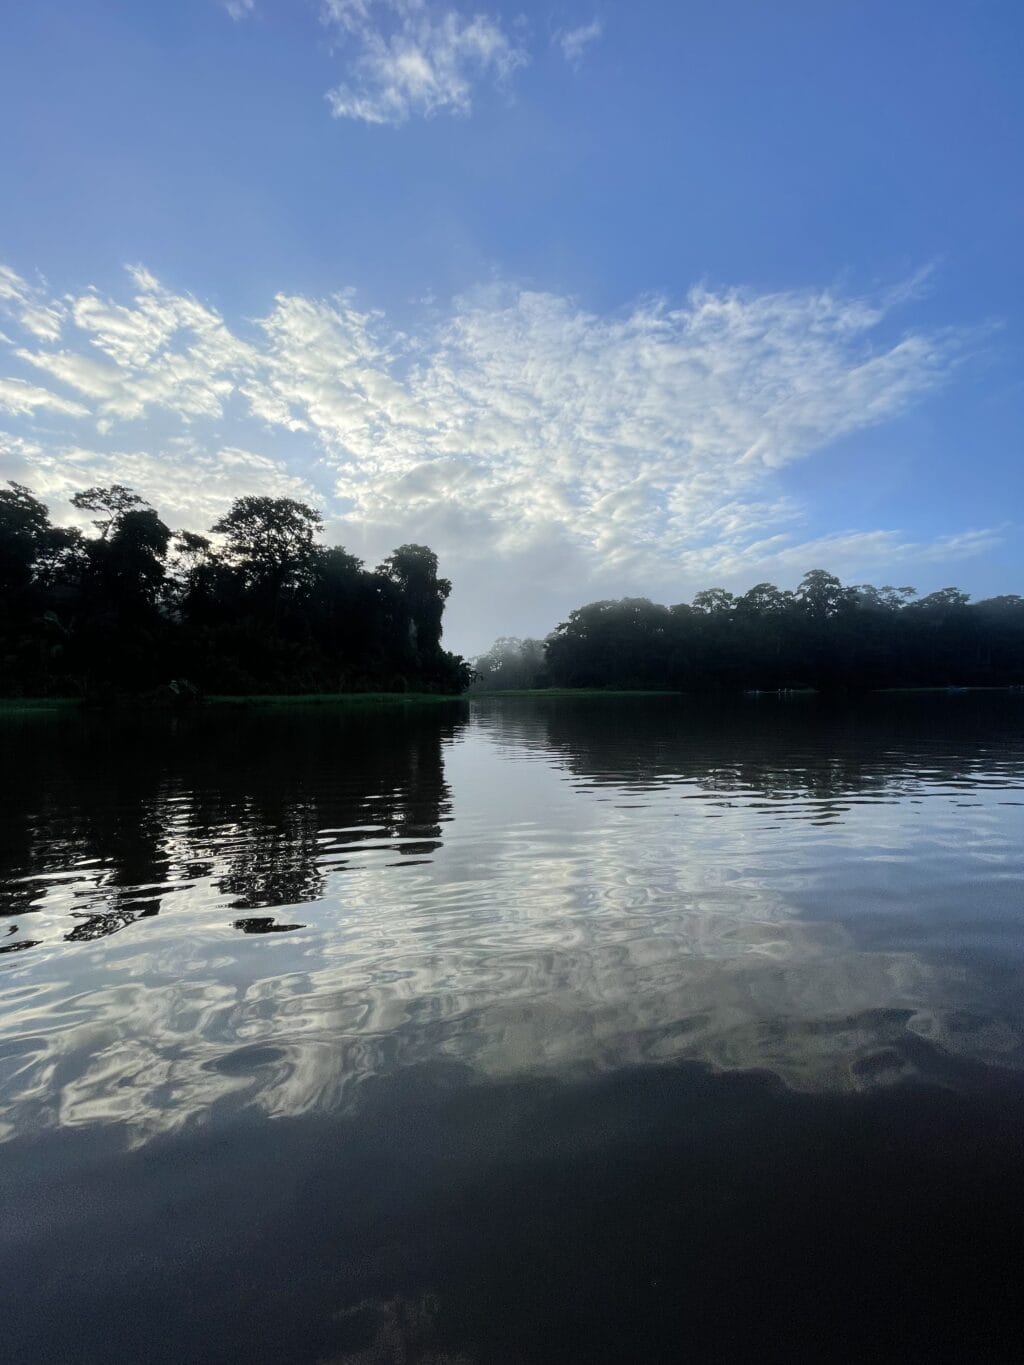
210 916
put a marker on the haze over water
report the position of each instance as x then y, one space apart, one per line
514 1029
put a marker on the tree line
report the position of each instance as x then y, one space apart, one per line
258 605
261 605
824 635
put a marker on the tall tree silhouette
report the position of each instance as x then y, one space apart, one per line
259 605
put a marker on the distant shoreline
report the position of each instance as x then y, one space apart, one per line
747 692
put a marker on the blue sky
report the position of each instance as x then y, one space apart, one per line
595 299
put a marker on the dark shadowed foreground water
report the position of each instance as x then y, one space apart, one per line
537 1030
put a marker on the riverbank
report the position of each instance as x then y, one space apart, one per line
337 699
27 705
17 706
574 692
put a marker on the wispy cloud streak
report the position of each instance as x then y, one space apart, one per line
412 57
575 41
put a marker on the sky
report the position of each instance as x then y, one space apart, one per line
595 299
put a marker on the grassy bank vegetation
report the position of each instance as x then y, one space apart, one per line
338 699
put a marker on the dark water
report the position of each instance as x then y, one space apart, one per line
515 1031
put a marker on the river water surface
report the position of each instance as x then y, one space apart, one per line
510 1030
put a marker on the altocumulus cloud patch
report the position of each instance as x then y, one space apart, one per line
634 447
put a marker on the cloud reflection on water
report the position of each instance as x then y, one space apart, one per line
529 887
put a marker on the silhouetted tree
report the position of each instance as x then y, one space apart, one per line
114 501
822 595
24 523
133 562
414 569
712 601
271 545
270 610
824 635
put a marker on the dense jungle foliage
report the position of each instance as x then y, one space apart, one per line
263 607
824 635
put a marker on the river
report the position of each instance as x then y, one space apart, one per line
539 1029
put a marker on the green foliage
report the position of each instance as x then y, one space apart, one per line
268 610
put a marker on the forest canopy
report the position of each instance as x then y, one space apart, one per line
260 605
824 635
257 605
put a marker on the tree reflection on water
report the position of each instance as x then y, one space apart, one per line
518 1031
263 807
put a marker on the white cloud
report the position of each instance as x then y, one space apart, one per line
18 397
633 434
538 446
847 553
27 303
414 57
575 41
162 351
43 322
12 287
190 487
239 9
